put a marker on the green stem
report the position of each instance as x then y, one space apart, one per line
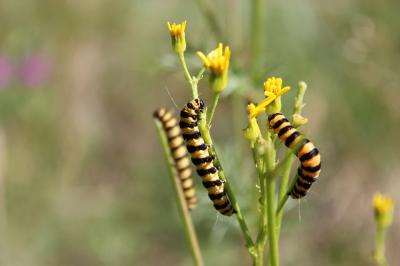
273 240
379 253
261 166
283 186
282 165
260 256
211 18
200 75
299 100
180 200
205 133
283 200
270 194
188 76
213 107
257 35
237 119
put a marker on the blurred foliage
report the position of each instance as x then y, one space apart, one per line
82 177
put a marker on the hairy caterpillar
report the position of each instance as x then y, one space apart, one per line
201 157
308 154
179 154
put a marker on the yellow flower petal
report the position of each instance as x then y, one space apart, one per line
272 90
382 204
217 61
274 85
177 32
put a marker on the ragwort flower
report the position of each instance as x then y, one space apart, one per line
217 62
177 32
272 91
383 209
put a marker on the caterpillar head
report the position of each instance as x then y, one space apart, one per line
200 104
159 113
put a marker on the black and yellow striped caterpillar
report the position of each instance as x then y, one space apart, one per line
308 154
201 157
179 154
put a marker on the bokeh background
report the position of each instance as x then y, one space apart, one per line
82 177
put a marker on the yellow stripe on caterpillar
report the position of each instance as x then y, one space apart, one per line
306 152
179 154
201 158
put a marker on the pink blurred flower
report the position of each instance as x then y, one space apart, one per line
6 71
35 70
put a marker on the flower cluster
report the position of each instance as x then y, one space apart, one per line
264 146
272 92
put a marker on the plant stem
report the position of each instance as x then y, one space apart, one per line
200 75
237 120
283 186
379 253
188 76
205 133
180 200
257 35
282 165
283 200
261 166
211 18
212 110
273 240
270 194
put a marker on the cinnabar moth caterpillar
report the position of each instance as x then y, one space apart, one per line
201 158
308 154
179 154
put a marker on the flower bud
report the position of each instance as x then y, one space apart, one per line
177 32
299 120
383 210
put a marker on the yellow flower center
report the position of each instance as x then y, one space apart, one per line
177 30
218 60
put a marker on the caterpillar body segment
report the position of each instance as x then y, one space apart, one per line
201 158
305 151
179 154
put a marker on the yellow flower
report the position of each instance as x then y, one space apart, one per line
273 86
383 208
272 91
382 204
217 62
177 32
254 111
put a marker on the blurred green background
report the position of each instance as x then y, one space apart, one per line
82 177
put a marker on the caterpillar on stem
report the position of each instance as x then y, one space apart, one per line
201 158
305 151
179 154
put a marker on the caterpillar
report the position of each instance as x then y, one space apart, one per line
201 157
179 154
307 153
